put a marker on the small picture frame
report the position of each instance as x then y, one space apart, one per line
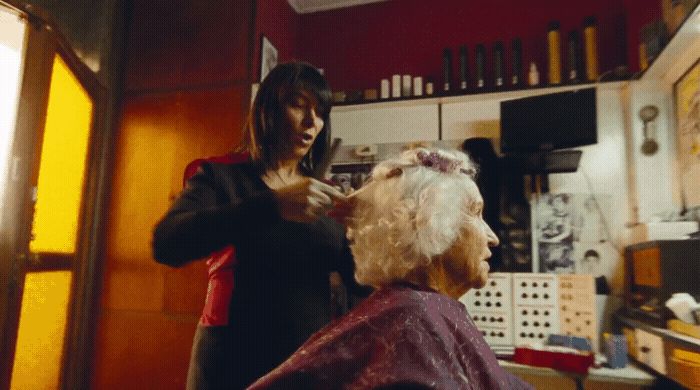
268 57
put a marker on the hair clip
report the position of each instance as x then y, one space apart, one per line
440 163
471 172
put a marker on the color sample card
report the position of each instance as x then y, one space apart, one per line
490 307
515 309
535 307
577 307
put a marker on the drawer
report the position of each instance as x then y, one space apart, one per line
650 350
685 368
631 337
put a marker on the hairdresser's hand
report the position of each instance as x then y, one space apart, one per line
342 211
307 200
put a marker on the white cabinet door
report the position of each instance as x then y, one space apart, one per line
477 118
385 124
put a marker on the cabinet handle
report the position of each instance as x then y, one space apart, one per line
645 349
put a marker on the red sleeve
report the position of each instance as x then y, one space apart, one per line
229 158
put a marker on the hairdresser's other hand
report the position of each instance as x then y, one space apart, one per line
306 200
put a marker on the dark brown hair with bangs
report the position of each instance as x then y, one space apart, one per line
263 135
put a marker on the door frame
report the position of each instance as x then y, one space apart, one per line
43 42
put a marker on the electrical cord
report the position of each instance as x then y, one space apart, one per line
599 209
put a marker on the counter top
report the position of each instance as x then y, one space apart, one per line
632 374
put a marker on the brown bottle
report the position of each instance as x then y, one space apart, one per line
590 46
554 53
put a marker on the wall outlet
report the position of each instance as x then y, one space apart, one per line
577 310
490 307
535 307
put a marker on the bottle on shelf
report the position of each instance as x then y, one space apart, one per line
447 68
406 81
463 70
417 86
385 89
498 75
517 62
396 86
480 66
554 53
534 76
574 57
590 45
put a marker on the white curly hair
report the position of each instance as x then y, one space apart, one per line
411 211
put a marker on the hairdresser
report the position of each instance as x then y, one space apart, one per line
263 223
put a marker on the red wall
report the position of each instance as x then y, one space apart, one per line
359 46
278 21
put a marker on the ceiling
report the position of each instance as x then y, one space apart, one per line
309 6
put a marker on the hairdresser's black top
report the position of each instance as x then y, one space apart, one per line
281 286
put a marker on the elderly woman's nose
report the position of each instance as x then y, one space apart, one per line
493 238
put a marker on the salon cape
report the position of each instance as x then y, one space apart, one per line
400 337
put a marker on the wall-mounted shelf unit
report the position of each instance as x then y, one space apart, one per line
438 118
503 94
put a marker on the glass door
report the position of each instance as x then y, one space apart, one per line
46 127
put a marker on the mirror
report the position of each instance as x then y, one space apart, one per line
649 145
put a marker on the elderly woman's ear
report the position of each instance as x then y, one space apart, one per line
394 173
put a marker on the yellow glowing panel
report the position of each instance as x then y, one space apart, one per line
42 326
62 167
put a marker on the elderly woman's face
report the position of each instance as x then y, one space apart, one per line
466 262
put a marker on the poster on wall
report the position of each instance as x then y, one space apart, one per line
268 57
570 235
687 94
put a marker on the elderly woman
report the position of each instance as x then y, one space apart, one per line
419 238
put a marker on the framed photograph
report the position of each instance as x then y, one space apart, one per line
268 57
570 235
687 99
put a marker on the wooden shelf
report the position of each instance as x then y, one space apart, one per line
679 54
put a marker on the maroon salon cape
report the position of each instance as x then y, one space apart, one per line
399 337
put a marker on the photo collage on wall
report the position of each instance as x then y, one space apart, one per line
570 236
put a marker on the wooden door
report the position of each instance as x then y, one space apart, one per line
187 74
149 312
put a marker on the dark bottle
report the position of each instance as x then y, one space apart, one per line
480 66
447 68
498 64
463 71
517 62
574 57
